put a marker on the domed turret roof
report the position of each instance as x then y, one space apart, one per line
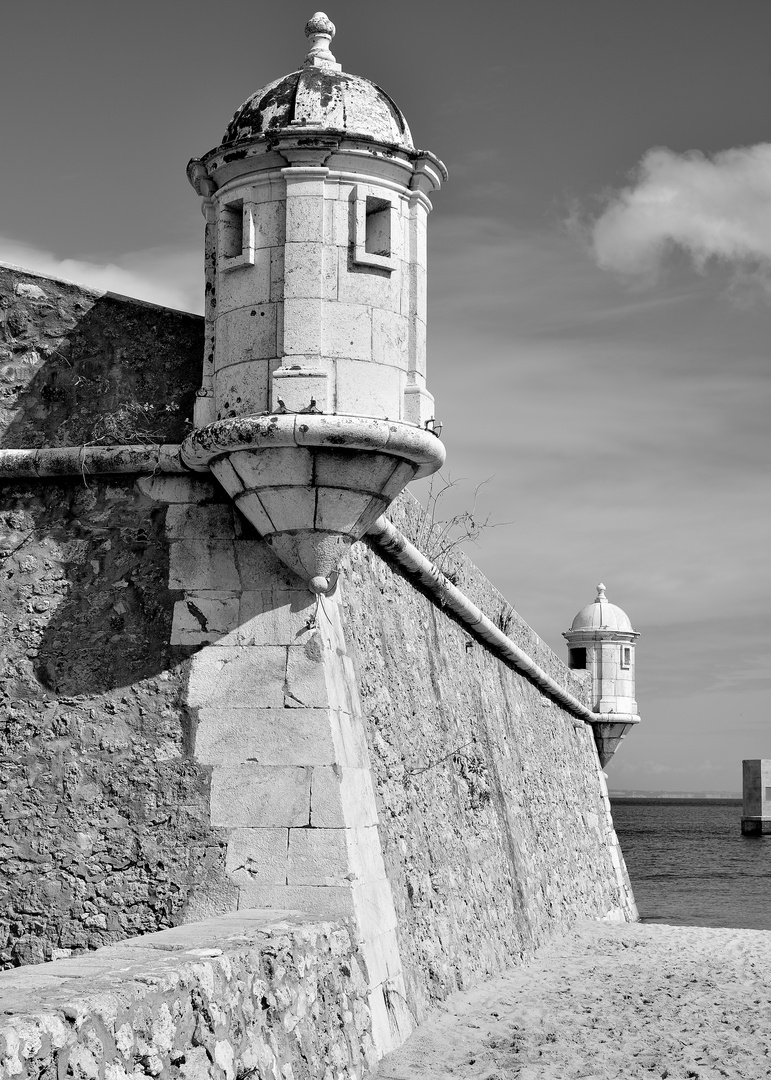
321 97
602 615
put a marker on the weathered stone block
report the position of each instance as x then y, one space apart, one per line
249 504
319 857
289 507
368 286
326 901
340 510
176 489
389 338
259 568
400 477
382 957
277 288
238 678
273 468
201 617
303 271
342 797
349 738
302 327
269 222
369 390
302 389
201 563
337 226
306 686
274 616
259 796
242 388
227 476
247 285
304 217
266 736
243 336
374 907
210 520
347 332
258 856
350 469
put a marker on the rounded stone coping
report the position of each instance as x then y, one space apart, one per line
599 633
354 433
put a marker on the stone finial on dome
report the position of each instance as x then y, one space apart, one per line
600 593
320 30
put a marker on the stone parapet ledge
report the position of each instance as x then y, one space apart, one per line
87 460
353 433
263 994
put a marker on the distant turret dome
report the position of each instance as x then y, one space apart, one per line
321 97
602 615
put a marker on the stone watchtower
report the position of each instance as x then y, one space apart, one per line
601 640
313 411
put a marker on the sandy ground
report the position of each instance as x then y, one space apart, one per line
608 1002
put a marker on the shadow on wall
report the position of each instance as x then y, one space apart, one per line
106 614
104 814
79 367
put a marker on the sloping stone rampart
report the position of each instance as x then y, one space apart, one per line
257 994
493 812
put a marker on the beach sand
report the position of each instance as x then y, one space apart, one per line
608 1002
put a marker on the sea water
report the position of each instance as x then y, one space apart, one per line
689 863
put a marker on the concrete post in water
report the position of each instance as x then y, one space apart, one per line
756 792
601 640
313 411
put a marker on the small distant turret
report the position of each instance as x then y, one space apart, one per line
601 640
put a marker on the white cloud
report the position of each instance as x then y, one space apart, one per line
170 276
716 207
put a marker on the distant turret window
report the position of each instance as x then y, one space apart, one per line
577 659
626 656
236 235
375 222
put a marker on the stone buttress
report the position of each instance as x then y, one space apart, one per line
313 415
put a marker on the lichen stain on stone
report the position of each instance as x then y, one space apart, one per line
321 99
276 104
329 84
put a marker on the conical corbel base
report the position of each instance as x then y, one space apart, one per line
311 485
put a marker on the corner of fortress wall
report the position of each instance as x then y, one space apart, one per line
190 734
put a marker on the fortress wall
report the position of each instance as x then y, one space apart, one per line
464 817
494 817
104 829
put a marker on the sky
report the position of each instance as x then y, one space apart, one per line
599 285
